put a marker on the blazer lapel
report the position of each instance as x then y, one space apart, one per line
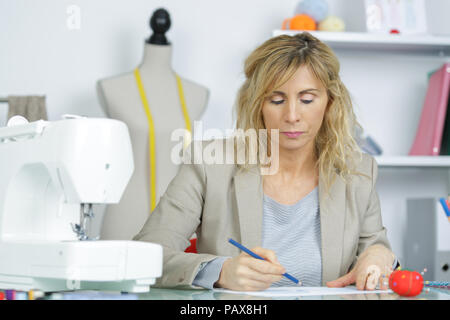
332 219
249 198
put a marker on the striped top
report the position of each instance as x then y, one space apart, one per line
293 232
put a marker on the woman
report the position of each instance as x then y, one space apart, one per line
316 217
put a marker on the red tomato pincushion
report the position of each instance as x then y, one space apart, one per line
406 283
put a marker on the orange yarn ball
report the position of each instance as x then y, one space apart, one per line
300 22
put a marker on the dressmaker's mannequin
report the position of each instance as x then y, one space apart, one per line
120 99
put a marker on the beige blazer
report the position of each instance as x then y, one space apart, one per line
217 202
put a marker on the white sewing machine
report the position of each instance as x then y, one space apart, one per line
50 175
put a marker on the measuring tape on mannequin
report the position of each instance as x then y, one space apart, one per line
151 131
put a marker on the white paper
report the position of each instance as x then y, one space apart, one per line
303 291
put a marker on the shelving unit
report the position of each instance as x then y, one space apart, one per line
424 45
387 77
413 161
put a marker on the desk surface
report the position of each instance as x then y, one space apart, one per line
172 294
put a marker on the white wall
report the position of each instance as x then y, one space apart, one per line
39 54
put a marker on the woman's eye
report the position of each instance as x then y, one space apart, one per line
282 101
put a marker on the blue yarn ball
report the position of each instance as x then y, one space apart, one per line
316 9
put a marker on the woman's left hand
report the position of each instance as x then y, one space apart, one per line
373 266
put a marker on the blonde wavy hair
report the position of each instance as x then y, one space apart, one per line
272 64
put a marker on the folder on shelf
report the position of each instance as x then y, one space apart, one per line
445 144
434 112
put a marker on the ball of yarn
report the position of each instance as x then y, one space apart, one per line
332 23
316 9
302 22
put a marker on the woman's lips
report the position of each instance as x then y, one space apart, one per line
293 134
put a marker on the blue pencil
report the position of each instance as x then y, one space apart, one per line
444 205
254 255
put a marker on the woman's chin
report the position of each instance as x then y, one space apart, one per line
291 145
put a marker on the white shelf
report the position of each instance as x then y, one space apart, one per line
413 161
363 40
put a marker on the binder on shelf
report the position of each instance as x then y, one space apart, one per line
431 125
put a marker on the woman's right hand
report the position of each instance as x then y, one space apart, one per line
245 273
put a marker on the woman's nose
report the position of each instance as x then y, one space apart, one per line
292 113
